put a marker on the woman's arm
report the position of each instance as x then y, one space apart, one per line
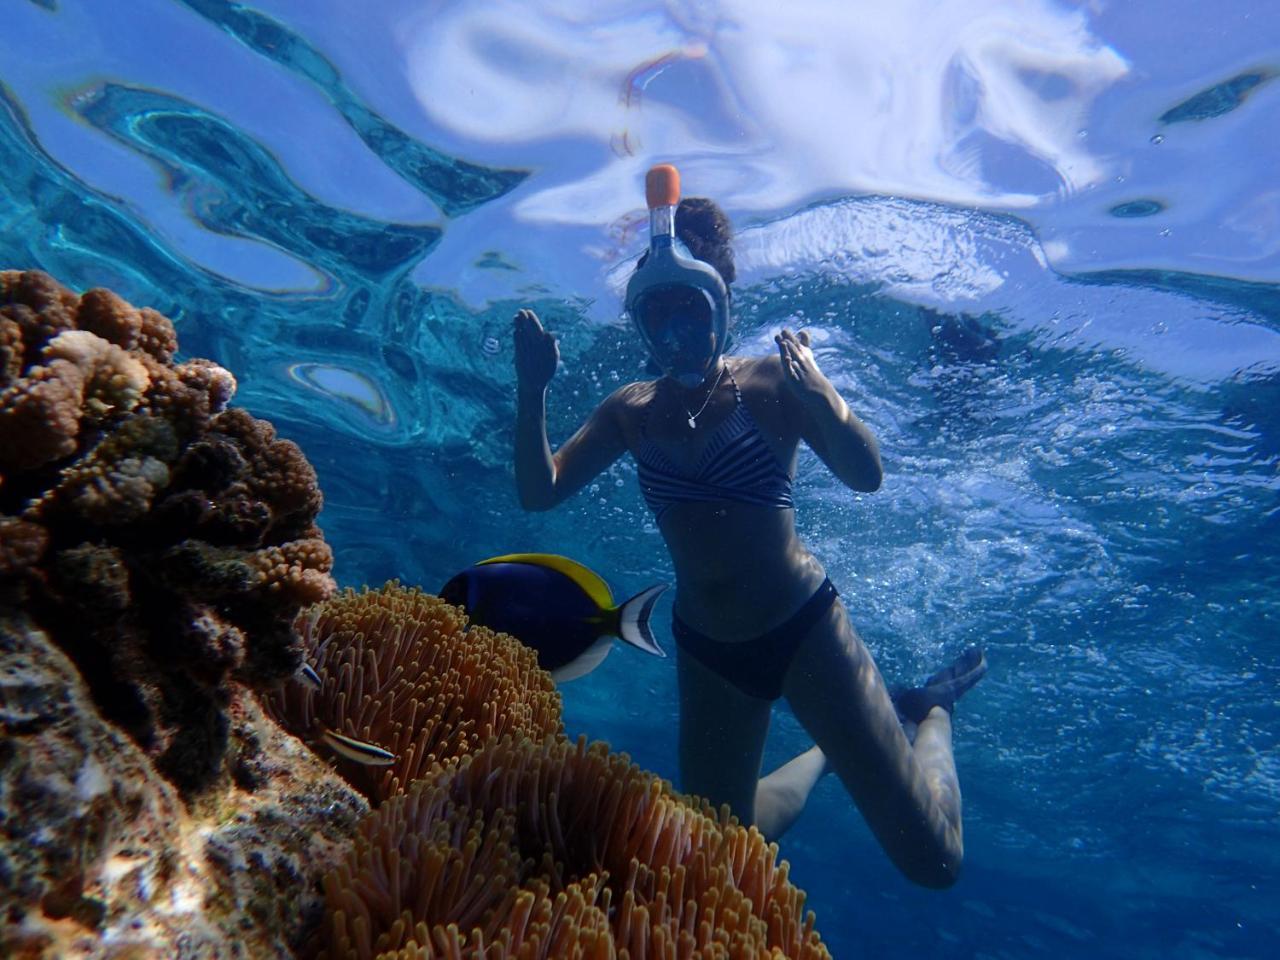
832 430
543 478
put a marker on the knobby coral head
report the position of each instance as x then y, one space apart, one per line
165 540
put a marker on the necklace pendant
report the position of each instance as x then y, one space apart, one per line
693 424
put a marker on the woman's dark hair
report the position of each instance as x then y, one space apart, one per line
703 227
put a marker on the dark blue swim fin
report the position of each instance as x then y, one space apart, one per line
941 689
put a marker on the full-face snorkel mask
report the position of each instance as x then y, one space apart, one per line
678 303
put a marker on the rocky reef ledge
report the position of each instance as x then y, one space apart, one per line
101 856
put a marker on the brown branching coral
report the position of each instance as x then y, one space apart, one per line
164 541
40 305
117 480
552 849
278 474
10 350
298 570
400 669
113 380
40 416
106 314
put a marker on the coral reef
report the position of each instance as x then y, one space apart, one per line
164 541
160 572
548 849
100 855
399 669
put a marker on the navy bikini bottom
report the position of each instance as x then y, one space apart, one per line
757 667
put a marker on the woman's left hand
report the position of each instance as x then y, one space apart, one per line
800 370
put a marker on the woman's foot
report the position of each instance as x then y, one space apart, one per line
941 689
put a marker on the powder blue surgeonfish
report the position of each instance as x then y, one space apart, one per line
556 606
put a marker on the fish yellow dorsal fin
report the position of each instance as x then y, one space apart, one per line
590 581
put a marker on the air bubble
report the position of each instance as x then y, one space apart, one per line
1157 139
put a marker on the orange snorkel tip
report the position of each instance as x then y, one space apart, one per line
662 186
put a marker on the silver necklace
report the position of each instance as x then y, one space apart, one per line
693 417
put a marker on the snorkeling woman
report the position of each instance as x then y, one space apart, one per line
715 441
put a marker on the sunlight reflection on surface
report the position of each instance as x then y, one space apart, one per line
978 103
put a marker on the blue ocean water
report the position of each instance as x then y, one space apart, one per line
1037 244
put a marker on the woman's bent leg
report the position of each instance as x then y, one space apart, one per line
909 797
781 796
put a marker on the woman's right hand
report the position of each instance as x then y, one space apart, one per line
537 352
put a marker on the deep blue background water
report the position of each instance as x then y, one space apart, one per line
1037 244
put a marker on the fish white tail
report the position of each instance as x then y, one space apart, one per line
633 620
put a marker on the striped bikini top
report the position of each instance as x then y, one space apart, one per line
737 465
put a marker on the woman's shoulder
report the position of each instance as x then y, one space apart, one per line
761 373
629 398
761 383
637 391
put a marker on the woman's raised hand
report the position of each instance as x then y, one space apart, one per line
537 352
800 370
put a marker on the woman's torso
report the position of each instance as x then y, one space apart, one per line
740 567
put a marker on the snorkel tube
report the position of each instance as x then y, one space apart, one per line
669 274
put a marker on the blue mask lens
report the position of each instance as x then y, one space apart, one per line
674 317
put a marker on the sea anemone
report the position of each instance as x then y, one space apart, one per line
550 849
399 670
